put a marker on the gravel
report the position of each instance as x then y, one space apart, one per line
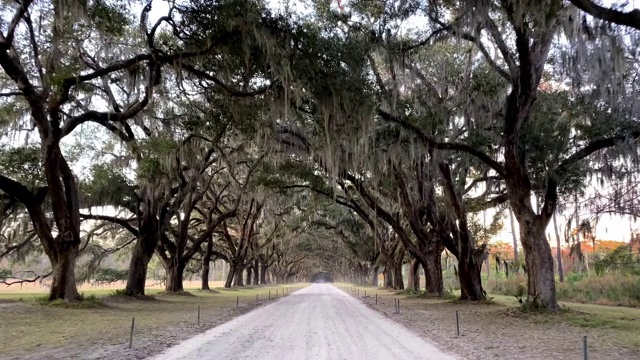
318 322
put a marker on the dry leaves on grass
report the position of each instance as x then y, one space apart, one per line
495 331
31 331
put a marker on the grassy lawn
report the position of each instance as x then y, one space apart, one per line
613 331
623 323
27 326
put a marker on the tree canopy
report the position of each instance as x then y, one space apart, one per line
351 138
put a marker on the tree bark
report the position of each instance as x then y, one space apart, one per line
238 280
139 263
63 192
374 275
249 275
541 285
388 277
558 248
206 261
413 280
175 274
514 238
434 284
256 274
63 284
398 281
232 273
469 274
263 273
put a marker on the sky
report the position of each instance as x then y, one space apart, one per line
609 227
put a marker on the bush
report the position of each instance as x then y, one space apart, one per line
5 274
619 260
513 286
86 302
609 289
573 278
105 275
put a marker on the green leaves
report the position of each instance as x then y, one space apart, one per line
111 17
620 259
106 186
107 275
23 164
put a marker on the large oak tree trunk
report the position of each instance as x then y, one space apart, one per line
205 277
143 251
434 284
138 266
541 284
469 274
238 280
232 273
175 274
249 275
413 280
263 273
256 274
63 285
398 281
374 275
206 262
388 277
62 252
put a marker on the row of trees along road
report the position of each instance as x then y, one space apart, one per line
351 139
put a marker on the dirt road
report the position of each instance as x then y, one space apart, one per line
318 322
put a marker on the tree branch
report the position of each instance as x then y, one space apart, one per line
593 147
7 41
22 281
630 19
430 142
122 222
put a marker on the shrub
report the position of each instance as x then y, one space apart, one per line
514 286
86 302
105 275
609 289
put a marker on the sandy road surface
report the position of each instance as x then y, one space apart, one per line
318 322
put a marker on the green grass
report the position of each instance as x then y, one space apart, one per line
620 324
26 325
609 289
623 323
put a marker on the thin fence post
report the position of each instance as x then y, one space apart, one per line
256 297
133 322
269 294
376 298
584 347
198 315
457 323
365 294
398 306
237 302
